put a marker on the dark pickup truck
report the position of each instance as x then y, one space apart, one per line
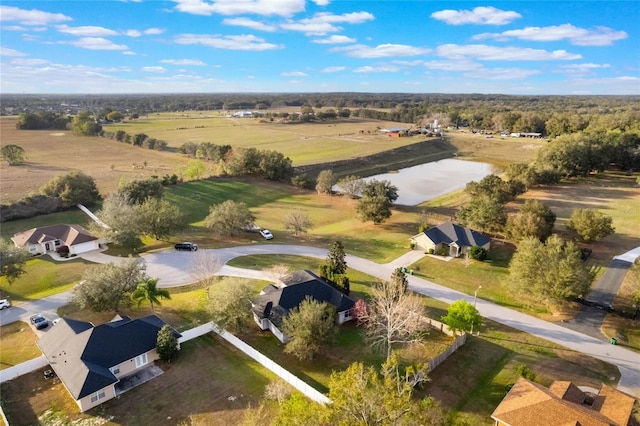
187 246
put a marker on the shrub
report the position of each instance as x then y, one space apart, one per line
478 253
430 251
412 245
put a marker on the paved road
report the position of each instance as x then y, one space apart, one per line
177 268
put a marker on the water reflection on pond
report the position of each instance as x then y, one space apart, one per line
430 180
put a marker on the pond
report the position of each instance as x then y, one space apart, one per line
421 183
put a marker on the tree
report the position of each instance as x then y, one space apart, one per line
229 218
167 344
526 225
122 220
376 200
351 185
308 327
325 182
634 277
138 191
483 213
12 261
591 225
478 253
336 259
73 188
84 124
206 266
395 315
159 218
104 287
115 116
13 154
362 396
303 182
147 290
462 316
494 188
195 169
275 166
230 304
297 221
551 272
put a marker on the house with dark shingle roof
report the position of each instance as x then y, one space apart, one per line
51 238
457 239
274 303
531 404
92 361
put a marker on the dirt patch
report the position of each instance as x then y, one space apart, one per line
56 134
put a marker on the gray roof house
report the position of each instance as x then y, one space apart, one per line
97 363
458 239
50 238
274 303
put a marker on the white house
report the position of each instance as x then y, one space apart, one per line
51 238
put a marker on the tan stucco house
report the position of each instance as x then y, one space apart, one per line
274 303
457 239
563 403
97 363
51 238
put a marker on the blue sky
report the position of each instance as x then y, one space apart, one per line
186 46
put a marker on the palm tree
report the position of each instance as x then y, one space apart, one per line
147 290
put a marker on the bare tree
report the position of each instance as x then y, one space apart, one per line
395 315
278 273
297 222
205 268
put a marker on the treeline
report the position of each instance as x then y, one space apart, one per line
269 164
139 139
60 193
43 121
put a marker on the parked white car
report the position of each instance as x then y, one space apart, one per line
266 234
4 303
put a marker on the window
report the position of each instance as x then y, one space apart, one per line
115 370
98 396
141 360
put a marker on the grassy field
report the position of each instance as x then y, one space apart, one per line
18 344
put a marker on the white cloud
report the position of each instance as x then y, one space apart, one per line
86 31
193 62
97 43
5 51
14 28
377 68
321 2
249 23
494 53
501 73
294 74
335 39
453 65
30 17
239 7
153 31
240 42
333 69
581 69
381 51
158 70
129 53
324 23
601 36
133 33
479 15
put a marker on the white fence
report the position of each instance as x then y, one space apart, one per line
444 328
303 387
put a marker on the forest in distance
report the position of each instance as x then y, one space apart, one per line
549 115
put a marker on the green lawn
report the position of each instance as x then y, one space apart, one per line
44 277
18 344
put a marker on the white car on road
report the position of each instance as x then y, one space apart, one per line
4 303
266 234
